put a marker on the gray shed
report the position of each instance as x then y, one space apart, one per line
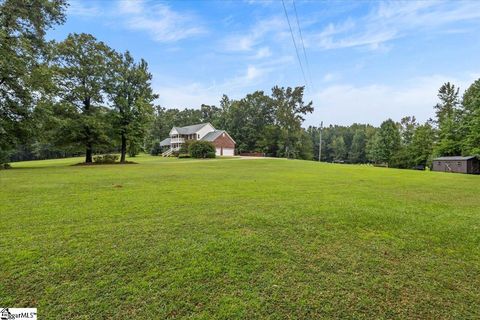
470 164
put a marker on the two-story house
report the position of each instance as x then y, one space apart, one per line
224 144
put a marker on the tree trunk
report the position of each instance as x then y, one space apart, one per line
124 148
89 149
88 153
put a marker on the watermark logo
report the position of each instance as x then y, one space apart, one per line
18 313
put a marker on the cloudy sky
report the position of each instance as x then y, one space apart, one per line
366 61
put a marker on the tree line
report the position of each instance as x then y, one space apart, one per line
454 131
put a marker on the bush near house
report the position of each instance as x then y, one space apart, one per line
185 147
156 149
201 149
183 155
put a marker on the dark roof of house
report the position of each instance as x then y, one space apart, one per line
211 136
165 142
190 129
456 158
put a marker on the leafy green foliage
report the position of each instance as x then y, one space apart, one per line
210 155
128 86
386 142
183 155
155 149
106 159
201 149
81 65
24 80
448 121
471 120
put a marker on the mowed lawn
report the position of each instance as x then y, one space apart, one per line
238 239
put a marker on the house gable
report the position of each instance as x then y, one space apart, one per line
173 131
202 132
224 140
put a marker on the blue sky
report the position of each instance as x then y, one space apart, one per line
367 61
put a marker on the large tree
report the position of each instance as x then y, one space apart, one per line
357 152
448 121
81 66
23 74
385 143
471 119
290 110
129 89
422 144
247 119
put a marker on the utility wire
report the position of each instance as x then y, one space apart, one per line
294 42
303 45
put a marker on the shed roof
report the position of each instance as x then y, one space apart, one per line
190 129
165 142
456 158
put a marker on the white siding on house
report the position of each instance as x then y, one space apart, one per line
204 130
218 151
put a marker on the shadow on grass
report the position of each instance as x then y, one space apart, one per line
92 164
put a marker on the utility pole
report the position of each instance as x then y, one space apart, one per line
320 143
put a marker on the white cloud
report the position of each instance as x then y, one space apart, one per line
329 77
345 104
187 95
248 41
253 73
83 9
392 20
263 52
161 22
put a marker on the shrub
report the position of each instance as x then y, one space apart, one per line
184 147
106 159
5 166
183 155
210 155
200 149
156 149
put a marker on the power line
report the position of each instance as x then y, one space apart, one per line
294 42
303 44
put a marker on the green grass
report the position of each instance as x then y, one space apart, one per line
238 239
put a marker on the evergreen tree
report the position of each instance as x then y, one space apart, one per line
448 121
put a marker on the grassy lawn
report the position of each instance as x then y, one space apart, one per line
238 239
